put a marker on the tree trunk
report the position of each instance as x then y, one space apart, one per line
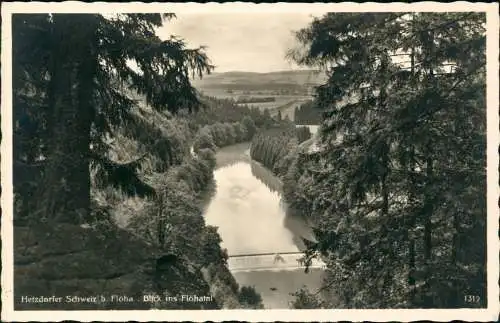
412 224
64 193
80 176
427 219
428 208
454 256
52 197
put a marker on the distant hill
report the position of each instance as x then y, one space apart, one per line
252 81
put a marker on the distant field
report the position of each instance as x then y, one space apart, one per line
280 101
293 78
289 88
300 82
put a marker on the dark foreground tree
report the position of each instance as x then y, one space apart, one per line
73 86
398 190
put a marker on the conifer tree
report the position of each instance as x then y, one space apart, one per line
71 88
403 141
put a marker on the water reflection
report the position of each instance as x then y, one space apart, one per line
267 178
248 214
293 221
248 208
233 154
252 218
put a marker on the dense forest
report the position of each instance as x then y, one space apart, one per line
225 111
406 184
101 145
275 148
396 188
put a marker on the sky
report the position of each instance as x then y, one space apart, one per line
253 42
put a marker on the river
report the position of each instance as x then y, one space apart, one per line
251 219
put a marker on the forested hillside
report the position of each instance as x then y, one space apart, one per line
102 156
225 110
276 148
396 190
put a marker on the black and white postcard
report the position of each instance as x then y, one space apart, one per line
250 162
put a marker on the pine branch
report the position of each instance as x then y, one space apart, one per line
123 176
445 24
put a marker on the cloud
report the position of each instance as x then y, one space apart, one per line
255 42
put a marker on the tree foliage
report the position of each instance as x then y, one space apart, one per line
273 148
250 298
226 110
73 87
304 299
224 134
102 115
173 221
397 190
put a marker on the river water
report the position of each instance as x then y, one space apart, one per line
251 219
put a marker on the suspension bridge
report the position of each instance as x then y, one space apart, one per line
270 262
